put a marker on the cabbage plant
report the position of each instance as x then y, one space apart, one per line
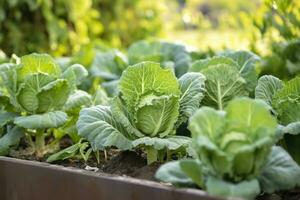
284 101
229 75
108 65
150 105
170 55
231 150
36 93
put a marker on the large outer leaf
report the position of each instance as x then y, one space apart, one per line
171 172
64 62
182 59
208 122
162 52
53 119
156 115
98 126
291 134
8 77
223 83
287 102
171 143
11 138
250 117
7 117
193 169
266 87
246 61
122 116
100 97
192 88
109 65
288 110
292 128
38 63
28 91
75 75
202 64
111 87
5 103
8 84
53 95
281 172
146 78
247 189
144 51
76 100
291 89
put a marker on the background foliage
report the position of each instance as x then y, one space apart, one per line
63 26
270 28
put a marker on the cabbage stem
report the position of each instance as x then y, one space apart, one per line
151 155
97 155
40 143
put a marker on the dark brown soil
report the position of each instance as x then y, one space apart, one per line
124 163
25 154
130 163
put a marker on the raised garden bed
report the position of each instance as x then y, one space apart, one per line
24 179
196 130
30 180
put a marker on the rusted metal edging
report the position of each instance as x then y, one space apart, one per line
30 180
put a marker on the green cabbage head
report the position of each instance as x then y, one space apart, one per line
284 101
151 96
234 143
37 84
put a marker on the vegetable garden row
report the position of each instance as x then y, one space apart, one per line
211 123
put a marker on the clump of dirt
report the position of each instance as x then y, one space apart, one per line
124 163
65 142
25 154
131 164
147 172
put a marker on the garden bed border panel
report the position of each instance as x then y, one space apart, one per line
31 180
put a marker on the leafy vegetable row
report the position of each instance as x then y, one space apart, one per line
235 119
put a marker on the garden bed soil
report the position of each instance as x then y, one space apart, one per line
124 163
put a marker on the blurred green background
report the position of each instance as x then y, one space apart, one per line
270 28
